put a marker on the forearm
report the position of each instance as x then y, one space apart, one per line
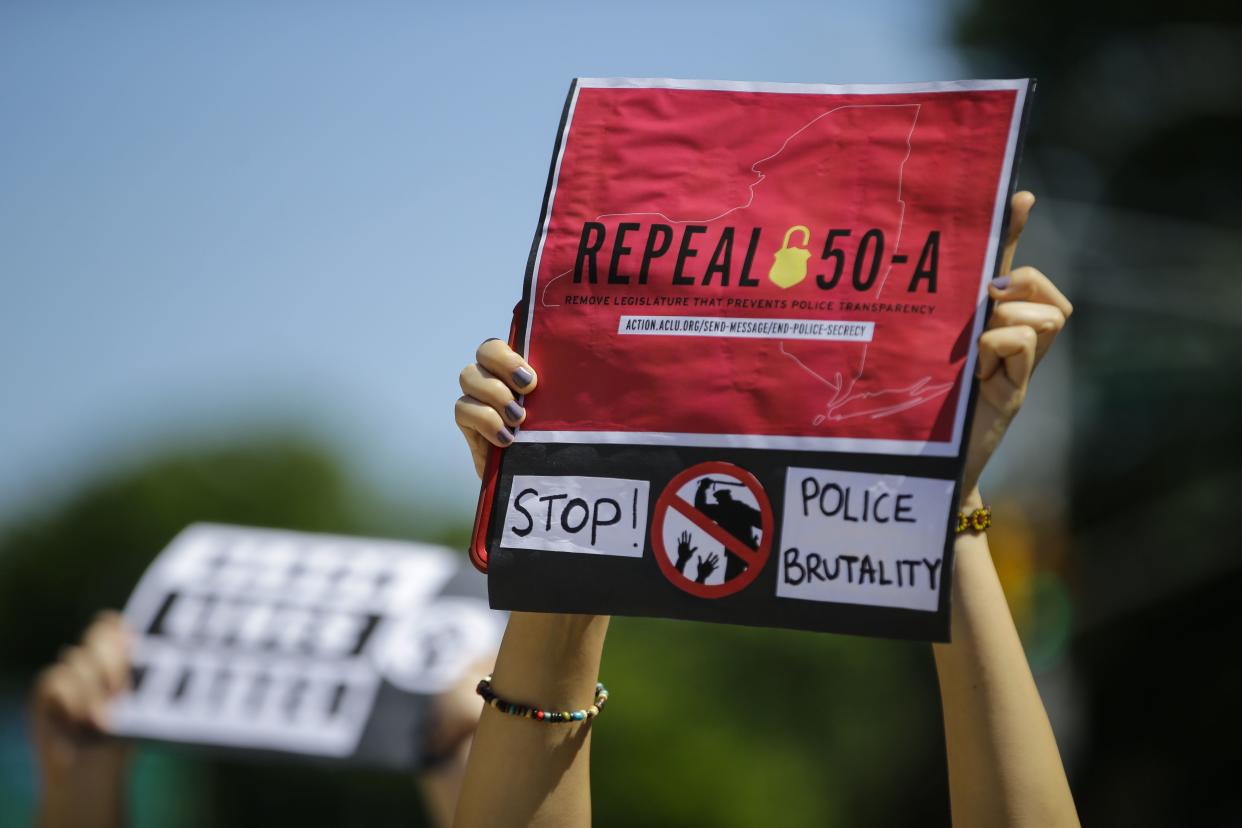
1004 766
525 772
91 796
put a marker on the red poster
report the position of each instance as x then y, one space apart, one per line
896 234
724 267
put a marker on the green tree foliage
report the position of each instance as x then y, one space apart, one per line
60 567
732 726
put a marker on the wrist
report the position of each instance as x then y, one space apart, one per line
550 659
557 636
971 500
91 792
970 545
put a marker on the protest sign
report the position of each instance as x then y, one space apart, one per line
315 645
754 311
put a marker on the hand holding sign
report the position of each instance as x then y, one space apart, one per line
685 356
78 762
1029 313
488 409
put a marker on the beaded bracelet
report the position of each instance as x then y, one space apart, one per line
978 520
489 697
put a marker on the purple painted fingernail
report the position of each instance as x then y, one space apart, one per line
523 377
1000 282
505 436
514 411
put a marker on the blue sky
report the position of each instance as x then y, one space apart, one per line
223 214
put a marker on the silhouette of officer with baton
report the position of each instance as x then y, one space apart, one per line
733 516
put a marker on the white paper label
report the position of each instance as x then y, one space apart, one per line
856 538
595 515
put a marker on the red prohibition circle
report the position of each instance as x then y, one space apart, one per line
755 559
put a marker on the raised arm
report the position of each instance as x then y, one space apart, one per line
83 770
523 771
1004 767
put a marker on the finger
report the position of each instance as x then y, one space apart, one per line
1043 318
1019 211
1046 320
1011 351
1029 284
109 618
478 449
55 694
59 711
91 684
483 420
63 695
481 384
496 356
106 644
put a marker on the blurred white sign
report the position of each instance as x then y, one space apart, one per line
276 640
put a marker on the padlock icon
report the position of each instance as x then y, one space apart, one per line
789 263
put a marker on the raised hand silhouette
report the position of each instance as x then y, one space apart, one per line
706 567
684 552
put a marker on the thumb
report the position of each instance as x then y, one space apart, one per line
1019 211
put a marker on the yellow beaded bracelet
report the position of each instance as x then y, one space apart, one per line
978 520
